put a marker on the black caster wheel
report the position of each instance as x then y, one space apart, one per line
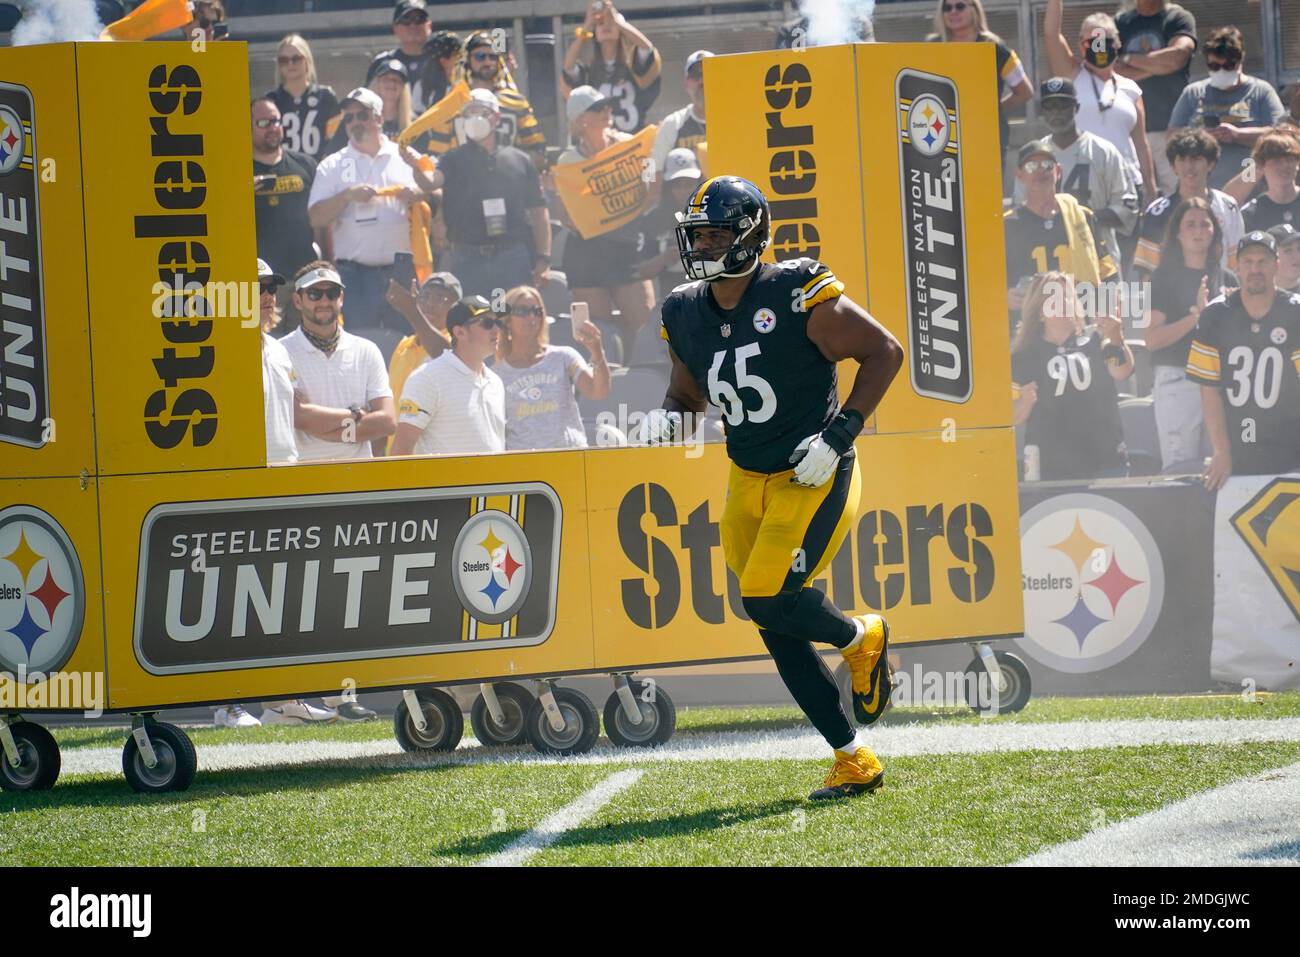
444 724
38 759
176 760
581 724
658 717
516 702
984 699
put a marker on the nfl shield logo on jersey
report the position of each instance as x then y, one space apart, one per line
726 330
765 320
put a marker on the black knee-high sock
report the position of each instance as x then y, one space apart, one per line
806 612
811 685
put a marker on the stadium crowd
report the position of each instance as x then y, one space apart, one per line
1145 217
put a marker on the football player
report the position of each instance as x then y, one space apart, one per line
761 343
1246 350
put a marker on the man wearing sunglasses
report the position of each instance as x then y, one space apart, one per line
1050 230
282 181
454 404
1232 106
517 125
411 28
362 195
342 383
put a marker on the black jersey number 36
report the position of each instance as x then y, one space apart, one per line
726 397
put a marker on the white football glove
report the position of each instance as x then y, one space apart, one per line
818 463
659 427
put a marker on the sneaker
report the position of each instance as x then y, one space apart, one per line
850 777
351 711
298 712
873 675
234 716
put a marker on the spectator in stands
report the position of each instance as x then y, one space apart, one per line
1050 228
282 181
426 312
386 76
344 398
539 378
1074 419
617 59
1092 170
278 377
486 69
1277 160
1110 105
1246 349
1193 155
1293 101
209 21
1190 274
308 111
1233 107
443 67
657 229
1158 39
1288 257
684 128
454 404
363 194
964 21
602 271
411 28
495 213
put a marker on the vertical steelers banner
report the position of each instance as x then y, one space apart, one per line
171 256
45 407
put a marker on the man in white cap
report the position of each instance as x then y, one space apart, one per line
362 194
685 127
342 383
493 206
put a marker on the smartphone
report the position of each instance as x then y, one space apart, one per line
578 314
264 183
403 269
1211 120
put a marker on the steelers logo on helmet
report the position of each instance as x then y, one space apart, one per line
730 204
493 567
42 594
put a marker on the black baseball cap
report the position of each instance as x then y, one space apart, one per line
1033 148
467 310
386 63
1058 88
1257 238
1284 233
403 7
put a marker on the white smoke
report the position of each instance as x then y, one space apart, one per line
837 21
56 21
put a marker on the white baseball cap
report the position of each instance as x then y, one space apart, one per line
367 98
321 274
484 98
696 57
681 163
264 271
582 99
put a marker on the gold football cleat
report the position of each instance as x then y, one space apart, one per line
850 777
873 676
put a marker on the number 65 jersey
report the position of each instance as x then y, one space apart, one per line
1257 365
756 363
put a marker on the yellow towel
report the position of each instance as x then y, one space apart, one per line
437 116
1082 244
148 20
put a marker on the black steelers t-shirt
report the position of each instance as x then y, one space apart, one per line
284 233
1075 422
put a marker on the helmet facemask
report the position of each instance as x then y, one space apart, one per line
741 257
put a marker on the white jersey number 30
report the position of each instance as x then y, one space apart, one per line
724 395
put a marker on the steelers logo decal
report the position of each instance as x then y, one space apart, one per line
493 566
928 126
1278 335
13 141
765 320
42 594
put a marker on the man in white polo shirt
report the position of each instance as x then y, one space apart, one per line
454 404
344 401
363 194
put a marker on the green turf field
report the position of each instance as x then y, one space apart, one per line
951 809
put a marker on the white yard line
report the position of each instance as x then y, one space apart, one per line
1251 821
565 819
795 743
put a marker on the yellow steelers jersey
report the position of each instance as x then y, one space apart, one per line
755 362
518 126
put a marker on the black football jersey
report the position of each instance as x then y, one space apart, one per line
1036 245
306 121
756 363
1075 422
1257 365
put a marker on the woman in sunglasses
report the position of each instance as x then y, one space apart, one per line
963 21
541 408
1110 105
309 112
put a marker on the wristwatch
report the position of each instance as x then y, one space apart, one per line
357 413
541 259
